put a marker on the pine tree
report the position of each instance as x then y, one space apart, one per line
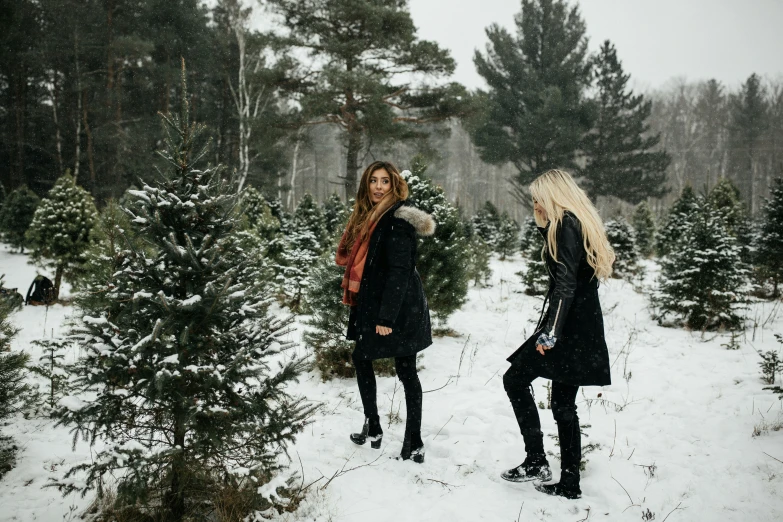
336 214
16 216
308 216
259 214
51 366
620 159
13 388
769 248
678 219
725 197
443 272
300 250
328 324
623 240
477 261
703 281
364 83
644 228
182 374
59 234
534 113
507 238
486 223
536 275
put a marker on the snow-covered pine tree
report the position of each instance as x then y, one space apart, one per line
486 223
51 366
13 388
16 216
703 282
183 375
677 220
308 216
507 237
623 240
477 260
336 214
769 243
726 198
329 322
258 213
535 276
444 274
644 226
276 207
59 234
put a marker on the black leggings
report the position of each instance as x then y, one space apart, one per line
406 372
517 382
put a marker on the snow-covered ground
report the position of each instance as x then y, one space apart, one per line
675 430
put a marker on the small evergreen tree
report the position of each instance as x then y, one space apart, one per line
623 240
182 374
725 197
769 248
59 234
477 260
51 366
507 237
16 216
535 277
13 388
444 273
644 228
308 217
678 219
336 215
703 281
329 322
486 223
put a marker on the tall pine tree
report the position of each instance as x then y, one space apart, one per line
621 161
769 250
678 219
534 114
182 376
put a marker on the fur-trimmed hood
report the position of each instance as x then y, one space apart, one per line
422 222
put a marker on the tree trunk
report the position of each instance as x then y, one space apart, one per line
79 95
58 136
352 162
19 178
90 155
58 278
176 496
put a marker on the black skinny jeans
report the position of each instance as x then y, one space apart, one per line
517 382
406 372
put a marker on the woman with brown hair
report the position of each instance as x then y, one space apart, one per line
568 345
389 315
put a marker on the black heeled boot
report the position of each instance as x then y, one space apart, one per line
570 458
535 466
412 450
371 430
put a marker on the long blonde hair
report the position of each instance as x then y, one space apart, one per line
362 209
556 191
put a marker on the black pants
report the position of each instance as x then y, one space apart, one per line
517 382
406 372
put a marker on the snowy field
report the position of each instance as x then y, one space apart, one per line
675 432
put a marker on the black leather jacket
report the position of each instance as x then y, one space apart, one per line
570 272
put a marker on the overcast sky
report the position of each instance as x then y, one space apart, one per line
656 40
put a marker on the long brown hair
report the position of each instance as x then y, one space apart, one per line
363 207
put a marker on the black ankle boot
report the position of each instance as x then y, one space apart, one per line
568 486
371 430
535 467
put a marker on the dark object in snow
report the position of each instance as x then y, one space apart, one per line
41 292
568 486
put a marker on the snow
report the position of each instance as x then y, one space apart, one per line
675 429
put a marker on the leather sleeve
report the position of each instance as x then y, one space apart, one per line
398 252
569 253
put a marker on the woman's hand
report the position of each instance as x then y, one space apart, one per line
545 342
382 330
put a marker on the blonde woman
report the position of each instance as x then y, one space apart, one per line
389 314
568 345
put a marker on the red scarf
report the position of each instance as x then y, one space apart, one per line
354 260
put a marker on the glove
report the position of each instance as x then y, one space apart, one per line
546 340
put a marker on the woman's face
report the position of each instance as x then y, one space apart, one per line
380 185
539 210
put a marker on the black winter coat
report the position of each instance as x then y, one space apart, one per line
574 316
390 293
